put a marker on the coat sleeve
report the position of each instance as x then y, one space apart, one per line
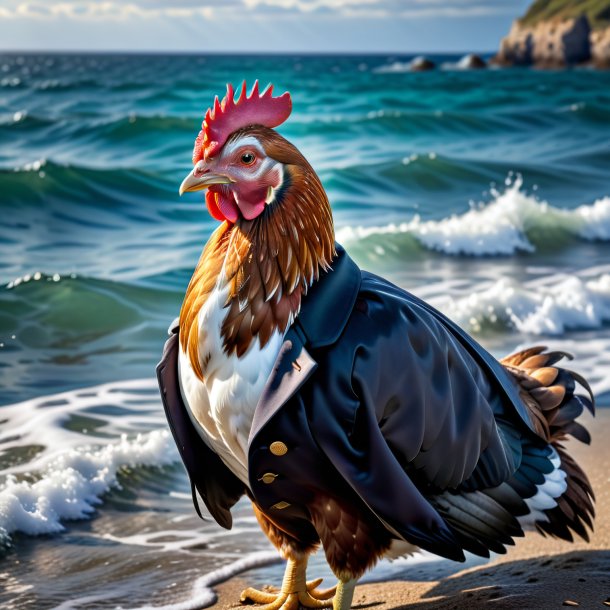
344 424
417 415
443 412
216 484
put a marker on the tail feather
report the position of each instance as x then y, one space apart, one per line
590 402
548 492
481 521
518 357
548 393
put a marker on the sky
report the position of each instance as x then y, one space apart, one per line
203 26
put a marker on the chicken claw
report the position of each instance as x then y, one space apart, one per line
295 591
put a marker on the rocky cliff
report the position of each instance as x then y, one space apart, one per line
560 33
600 48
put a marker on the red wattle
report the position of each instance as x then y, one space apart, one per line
251 210
212 204
222 205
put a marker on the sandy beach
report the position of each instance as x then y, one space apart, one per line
537 573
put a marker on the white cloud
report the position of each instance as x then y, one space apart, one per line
308 6
114 10
448 11
101 11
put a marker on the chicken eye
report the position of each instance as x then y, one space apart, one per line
248 158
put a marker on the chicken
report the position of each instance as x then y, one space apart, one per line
352 414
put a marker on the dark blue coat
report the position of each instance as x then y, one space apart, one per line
374 394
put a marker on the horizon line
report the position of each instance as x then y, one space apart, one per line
347 53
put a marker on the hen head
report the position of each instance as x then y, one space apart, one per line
277 232
242 162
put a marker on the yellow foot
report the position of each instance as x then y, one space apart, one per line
284 600
295 592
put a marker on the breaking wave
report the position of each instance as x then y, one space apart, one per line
550 308
512 222
69 475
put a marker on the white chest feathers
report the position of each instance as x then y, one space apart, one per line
222 406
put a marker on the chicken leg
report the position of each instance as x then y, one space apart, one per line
295 591
344 595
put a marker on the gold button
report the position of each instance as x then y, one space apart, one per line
278 448
268 477
281 505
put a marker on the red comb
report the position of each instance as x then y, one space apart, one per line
229 115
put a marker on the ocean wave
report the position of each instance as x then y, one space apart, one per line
131 124
549 308
396 67
128 129
402 67
72 484
589 111
59 182
119 140
512 222
11 82
401 120
202 594
22 120
59 307
70 474
149 125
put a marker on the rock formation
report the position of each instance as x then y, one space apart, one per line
556 34
471 62
600 48
547 44
421 64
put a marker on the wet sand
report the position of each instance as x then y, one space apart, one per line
537 572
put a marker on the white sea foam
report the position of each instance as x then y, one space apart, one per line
549 307
397 67
502 227
34 166
35 277
137 400
73 483
202 594
73 470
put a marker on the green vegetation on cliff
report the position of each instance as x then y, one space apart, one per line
598 11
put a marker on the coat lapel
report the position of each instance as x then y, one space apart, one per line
292 368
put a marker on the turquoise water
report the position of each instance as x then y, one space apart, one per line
487 193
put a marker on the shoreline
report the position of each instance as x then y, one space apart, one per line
538 572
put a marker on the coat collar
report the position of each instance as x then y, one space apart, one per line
323 316
329 302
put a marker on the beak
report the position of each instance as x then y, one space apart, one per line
198 183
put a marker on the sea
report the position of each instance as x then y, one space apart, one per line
485 192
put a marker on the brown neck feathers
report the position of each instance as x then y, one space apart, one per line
268 263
